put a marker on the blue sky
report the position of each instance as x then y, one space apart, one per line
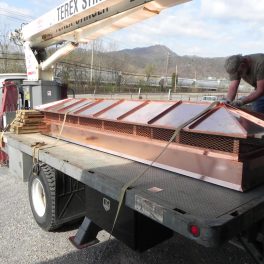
201 27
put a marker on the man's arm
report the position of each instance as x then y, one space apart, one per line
255 94
232 90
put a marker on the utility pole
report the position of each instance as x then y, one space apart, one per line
176 77
92 61
195 78
167 65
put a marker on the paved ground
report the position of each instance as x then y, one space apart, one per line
22 241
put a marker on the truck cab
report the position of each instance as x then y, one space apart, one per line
11 96
17 78
14 77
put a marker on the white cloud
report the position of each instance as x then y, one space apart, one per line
182 29
234 9
6 9
168 25
213 28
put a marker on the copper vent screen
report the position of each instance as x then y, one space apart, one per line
209 142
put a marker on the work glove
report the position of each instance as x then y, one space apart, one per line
237 103
225 101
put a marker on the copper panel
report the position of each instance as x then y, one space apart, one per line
78 105
120 109
52 105
220 122
108 108
66 103
180 114
92 104
132 110
148 112
97 108
255 117
253 130
228 122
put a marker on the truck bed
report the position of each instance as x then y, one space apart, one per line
171 199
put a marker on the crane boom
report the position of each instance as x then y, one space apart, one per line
79 21
85 20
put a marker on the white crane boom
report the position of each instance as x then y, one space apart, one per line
80 21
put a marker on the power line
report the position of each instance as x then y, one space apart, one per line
11 54
6 58
15 18
15 12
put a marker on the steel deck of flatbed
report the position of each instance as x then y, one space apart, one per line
221 213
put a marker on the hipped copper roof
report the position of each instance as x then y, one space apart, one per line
223 120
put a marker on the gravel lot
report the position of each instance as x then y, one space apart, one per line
22 241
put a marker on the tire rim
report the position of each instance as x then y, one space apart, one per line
38 197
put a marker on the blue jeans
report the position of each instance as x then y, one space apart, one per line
258 105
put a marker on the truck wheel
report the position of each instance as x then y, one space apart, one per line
42 197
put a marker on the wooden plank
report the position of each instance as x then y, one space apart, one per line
31 127
21 131
31 116
27 111
32 120
27 132
19 124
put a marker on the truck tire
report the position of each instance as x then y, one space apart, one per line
42 197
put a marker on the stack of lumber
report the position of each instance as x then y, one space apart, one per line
28 121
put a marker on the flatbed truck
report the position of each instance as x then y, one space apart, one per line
81 182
